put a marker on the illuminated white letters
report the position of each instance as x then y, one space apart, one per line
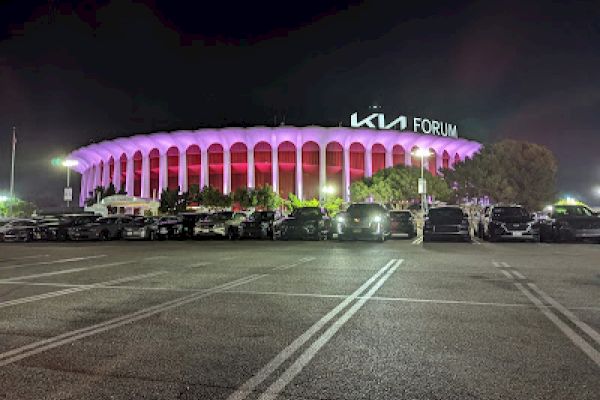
420 125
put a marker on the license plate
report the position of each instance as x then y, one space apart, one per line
356 230
164 231
518 234
129 233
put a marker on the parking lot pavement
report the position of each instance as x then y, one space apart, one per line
299 320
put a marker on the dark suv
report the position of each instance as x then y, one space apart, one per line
402 223
446 223
57 227
304 223
365 221
508 223
258 225
570 222
106 228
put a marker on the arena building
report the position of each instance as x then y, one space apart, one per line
299 160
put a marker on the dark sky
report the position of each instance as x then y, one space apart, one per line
72 72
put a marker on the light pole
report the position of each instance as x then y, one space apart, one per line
422 185
68 192
325 191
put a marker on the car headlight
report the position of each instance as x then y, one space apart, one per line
341 220
377 219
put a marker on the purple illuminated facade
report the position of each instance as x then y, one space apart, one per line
291 159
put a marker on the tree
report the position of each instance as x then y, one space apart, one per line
266 198
110 190
396 184
245 197
509 171
16 208
172 202
211 197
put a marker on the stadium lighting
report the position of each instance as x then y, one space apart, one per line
422 152
70 163
3 198
328 190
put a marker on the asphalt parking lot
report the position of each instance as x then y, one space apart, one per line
299 320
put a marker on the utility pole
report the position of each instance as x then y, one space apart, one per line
12 170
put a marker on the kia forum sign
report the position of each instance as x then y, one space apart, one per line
416 124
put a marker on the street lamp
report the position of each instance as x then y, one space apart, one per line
423 154
327 190
68 192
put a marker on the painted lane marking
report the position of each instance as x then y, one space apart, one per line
31 349
61 261
250 385
288 266
77 289
584 346
418 240
302 361
65 271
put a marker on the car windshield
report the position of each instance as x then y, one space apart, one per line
261 216
221 216
360 210
307 212
510 212
449 212
400 216
107 221
572 211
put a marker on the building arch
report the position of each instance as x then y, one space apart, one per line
239 166
357 161
215 166
310 170
287 168
377 158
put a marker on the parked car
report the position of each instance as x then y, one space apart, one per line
304 223
189 222
446 222
509 222
141 228
365 221
402 223
258 225
569 223
170 227
220 224
18 230
57 227
106 228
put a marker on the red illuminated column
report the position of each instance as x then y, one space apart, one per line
346 173
299 172
275 167
117 174
203 167
226 171
182 173
368 161
129 180
162 173
145 193
389 157
251 181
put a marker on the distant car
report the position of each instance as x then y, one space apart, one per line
57 227
220 224
189 222
503 222
402 223
140 228
258 225
445 223
170 227
304 223
19 230
569 223
107 228
365 221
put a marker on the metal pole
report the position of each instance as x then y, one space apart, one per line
68 183
12 171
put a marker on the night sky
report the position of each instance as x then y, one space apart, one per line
76 72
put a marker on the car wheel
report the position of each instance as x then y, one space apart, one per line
230 234
104 236
426 238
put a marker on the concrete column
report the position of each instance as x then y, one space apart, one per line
439 161
275 168
90 182
129 178
322 168
83 188
369 162
389 157
203 168
251 179
163 178
117 175
183 181
97 176
226 171
346 174
106 174
299 183
145 178
407 158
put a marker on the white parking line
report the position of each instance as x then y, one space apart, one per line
40 346
251 384
65 271
25 257
288 266
61 261
418 240
77 289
